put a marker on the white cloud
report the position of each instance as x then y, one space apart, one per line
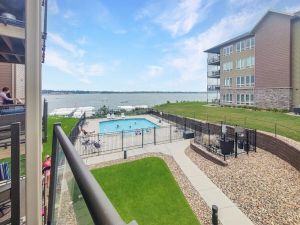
58 40
53 7
292 9
70 65
178 20
153 71
54 59
189 60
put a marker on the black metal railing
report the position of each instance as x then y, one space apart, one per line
213 74
99 206
215 58
76 129
213 131
45 121
12 186
213 88
106 143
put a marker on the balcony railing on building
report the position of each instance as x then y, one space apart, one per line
213 59
213 88
71 181
213 74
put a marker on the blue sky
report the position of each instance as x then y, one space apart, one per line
132 45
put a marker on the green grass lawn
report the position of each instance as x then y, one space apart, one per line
67 125
145 191
286 125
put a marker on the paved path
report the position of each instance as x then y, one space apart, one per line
229 213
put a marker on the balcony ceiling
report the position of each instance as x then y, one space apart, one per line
12 31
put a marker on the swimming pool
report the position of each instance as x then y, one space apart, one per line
125 125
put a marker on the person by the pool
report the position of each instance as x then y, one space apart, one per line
86 132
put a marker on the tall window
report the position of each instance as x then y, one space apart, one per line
238 99
242 81
238 81
227 66
252 99
242 99
252 80
252 42
238 47
228 50
248 81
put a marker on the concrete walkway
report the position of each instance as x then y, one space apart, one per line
229 213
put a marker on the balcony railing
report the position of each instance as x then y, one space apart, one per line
213 88
71 181
213 74
213 59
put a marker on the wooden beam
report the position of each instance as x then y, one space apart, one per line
7 41
12 31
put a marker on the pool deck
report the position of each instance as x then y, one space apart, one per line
229 213
92 125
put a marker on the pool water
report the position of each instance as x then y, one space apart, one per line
125 125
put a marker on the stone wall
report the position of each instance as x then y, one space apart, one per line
279 98
279 148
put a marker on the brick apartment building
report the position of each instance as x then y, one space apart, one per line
261 67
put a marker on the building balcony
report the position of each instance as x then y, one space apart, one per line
213 59
213 74
213 87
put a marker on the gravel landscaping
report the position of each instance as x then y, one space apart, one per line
264 187
199 207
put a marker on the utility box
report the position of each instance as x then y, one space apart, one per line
188 134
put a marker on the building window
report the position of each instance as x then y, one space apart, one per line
245 44
247 80
228 50
242 99
227 66
238 99
252 42
238 81
238 47
252 99
242 81
227 98
252 80
228 82
247 99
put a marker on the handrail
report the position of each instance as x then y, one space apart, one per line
101 209
45 121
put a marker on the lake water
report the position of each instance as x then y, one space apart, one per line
113 100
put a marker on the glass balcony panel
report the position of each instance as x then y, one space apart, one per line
70 207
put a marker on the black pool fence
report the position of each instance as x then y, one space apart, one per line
105 143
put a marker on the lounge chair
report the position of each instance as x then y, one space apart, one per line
122 115
108 116
112 116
